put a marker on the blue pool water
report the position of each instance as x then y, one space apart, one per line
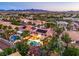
14 37
33 43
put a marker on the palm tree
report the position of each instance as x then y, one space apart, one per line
5 27
6 34
50 24
69 25
9 27
58 30
65 38
25 33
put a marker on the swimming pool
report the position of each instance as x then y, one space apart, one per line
14 37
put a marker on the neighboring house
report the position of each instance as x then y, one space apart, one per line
19 32
70 18
39 22
62 23
8 24
73 35
29 27
76 25
25 20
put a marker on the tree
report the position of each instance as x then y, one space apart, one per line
22 48
44 50
8 51
54 45
29 23
15 22
58 30
69 25
9 27
2 54
7 34
50 24
71 51
5 27
65 38
1 26
47 25
25 33
16 28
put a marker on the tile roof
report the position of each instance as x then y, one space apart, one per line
73 35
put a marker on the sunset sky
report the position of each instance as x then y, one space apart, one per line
52 6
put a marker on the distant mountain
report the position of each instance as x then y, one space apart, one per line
29 10
37 10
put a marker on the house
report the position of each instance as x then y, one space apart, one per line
29 27
76 25
39 22
25 20
41 30
19 32
45 32
72 19
8 24
74 35
34 40
62 23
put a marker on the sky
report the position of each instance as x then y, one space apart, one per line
51 6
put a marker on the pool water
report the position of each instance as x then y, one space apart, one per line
14 37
